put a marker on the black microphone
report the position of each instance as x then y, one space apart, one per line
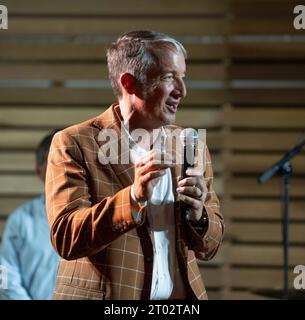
189 141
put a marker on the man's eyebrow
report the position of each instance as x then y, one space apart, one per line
172 71
168 71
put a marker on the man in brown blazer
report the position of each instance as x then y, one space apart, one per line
118 224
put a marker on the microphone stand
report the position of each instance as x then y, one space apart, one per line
284 168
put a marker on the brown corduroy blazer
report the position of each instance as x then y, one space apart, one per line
106 254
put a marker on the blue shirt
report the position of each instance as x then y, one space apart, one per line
27 254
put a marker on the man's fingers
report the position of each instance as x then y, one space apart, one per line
195 172
192 181
152 175
152 167
143 160
194 203
193 191
150 155
156 157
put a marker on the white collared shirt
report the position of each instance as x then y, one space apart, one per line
160 212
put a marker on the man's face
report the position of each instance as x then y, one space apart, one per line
159 101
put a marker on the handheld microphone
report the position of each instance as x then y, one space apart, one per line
189 141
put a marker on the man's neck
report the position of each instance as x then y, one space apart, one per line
131 123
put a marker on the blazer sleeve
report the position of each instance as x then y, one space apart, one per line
78 227
206 246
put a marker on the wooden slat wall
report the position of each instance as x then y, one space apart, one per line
263 119
52 44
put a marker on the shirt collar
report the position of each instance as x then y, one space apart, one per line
132 144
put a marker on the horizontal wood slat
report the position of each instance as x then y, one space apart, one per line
258 163
199 118
21 139
54 72
97 71
265 118
257 278
52 51
262 8
243 294
194 96
258 71
28 185
250 187
205 96
267 95
214 293
270 141
263 25
259 255
198 51
17 161
48 116
267 50
90 51
263 294
109 26
211 277
9 204
103 97
263 209
265 232
56 96
116 7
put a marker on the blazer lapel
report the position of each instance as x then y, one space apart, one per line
119 146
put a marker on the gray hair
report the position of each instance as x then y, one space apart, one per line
133 52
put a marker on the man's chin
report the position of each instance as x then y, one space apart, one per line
170 120
162 121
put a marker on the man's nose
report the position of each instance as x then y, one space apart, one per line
180 89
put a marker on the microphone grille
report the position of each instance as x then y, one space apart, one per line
188 136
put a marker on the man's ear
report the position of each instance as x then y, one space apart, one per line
128 82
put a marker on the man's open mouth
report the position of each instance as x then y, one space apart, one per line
172 107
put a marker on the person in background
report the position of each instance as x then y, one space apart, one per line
26 250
